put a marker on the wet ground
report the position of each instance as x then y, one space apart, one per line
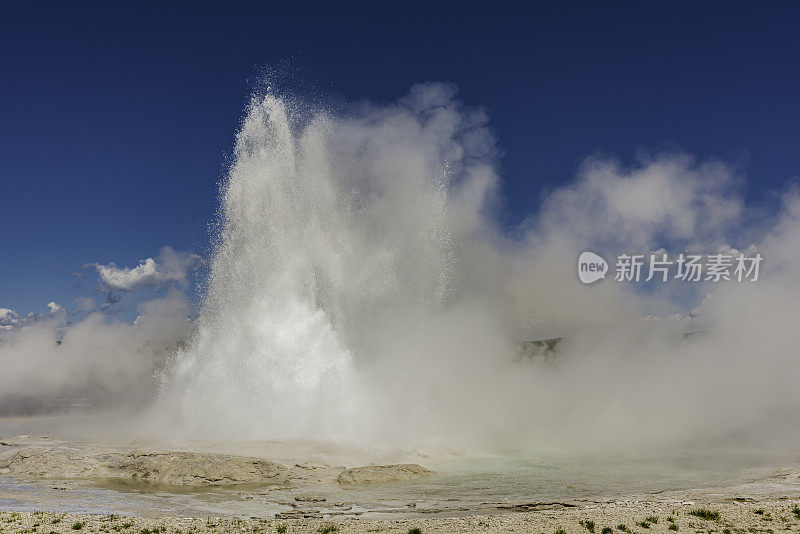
461 484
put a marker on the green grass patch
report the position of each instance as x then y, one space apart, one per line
705 513
764 514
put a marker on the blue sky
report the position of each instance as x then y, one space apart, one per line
117 118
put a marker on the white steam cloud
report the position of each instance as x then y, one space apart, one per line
362 289
53 362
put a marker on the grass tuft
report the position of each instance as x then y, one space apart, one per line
766 516
705 513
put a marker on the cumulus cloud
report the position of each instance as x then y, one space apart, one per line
172 267
11 321
55 308
128 279
8 319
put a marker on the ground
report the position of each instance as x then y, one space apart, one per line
623 517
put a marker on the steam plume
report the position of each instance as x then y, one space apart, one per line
362 289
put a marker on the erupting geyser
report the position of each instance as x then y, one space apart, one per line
343 242
361 289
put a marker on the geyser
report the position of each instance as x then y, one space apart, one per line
345 246
361 289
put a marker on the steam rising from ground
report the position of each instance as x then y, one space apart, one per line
87 358
98 362
362 289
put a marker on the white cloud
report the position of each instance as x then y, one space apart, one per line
55 308
8 319
172 267
128 279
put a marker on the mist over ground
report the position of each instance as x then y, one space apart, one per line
87 357
363 289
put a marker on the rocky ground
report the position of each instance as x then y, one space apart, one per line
37 457
183 468
624 517
259 495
